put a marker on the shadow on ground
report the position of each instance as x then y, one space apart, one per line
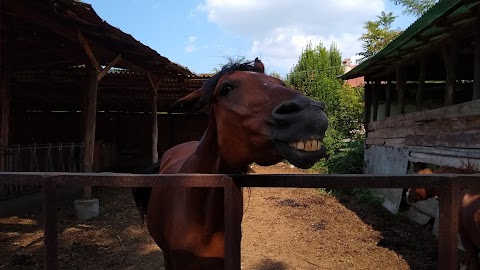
399 233
268 264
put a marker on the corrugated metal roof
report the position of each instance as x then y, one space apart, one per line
433 25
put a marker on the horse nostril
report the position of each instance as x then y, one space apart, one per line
288 107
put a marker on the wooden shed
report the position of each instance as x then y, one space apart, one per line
422 95
78 94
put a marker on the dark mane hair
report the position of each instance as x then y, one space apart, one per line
232 65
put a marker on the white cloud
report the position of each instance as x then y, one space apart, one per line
190 48
281 28
192 39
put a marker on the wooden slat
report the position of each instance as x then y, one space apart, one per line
463 109
467 125
449 140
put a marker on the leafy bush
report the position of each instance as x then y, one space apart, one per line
348 161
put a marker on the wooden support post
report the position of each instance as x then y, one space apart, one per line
448 227
233 203
5 98
368 102
155 87
388 98
89 52
476 66
90 118
421 84
50 236
401 85
154 129
375 92
450 59
108 67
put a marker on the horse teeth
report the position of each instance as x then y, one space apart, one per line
300 145
307 145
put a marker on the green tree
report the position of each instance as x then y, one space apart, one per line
315 75
415 7
378 35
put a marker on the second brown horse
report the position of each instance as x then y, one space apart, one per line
252 118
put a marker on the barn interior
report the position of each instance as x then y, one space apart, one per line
80 95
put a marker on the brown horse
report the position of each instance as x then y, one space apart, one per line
469 214
252 118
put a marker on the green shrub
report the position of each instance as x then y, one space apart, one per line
348 161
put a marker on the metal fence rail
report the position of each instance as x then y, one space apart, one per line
59 157
449 185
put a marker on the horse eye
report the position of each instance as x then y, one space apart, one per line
225 89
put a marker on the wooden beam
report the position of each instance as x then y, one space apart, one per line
401 85
89 52
108 67
450 60
421 84
90 117
476 65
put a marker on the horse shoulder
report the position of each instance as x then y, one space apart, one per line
173 159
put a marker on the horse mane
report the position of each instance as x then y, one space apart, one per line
232 65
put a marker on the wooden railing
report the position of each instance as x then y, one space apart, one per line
449 185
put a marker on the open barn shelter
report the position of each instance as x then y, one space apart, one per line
69 79
422 95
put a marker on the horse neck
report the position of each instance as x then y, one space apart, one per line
207 158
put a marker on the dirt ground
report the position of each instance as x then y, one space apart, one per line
282 229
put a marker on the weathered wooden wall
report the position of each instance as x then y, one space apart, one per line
448 136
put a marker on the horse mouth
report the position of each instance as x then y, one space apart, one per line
307 145
302 153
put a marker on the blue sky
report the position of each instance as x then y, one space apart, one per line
202 34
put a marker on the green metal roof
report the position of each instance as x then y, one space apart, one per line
438 22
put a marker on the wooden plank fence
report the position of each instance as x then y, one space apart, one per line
449 186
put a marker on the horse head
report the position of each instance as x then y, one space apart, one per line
257 118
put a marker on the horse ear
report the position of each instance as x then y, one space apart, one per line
190 103
258 65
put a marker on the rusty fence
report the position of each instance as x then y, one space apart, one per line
449 185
